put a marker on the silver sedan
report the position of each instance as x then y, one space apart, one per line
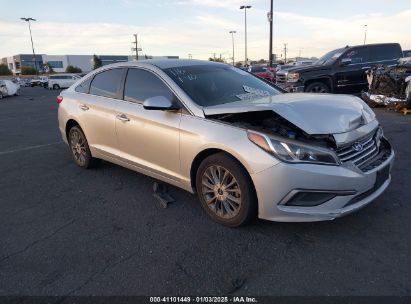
247 149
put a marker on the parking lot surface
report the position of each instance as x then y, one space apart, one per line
68 231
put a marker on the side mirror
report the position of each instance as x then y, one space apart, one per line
159 103
345 61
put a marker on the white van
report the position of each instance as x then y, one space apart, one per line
62 81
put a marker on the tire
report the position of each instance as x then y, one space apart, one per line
231 210
56 87
317 87
80 149
1 95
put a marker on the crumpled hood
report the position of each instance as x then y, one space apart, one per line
312 113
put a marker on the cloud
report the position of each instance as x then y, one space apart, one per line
207 33
227 4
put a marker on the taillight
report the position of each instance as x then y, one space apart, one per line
59 99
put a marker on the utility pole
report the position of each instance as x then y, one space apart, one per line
32 45
245 7
136 48
270 19
232 38
365 33
285 53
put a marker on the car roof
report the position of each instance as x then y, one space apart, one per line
372 44
164 63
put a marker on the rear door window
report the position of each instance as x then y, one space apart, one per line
84 86
107 83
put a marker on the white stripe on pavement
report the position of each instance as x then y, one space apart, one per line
30 148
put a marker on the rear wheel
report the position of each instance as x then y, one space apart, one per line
225 190
56 87
317 87
80 149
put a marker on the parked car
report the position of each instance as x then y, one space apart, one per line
41 81
407 53
244 147
8 88
263 71
24 82
341 70
61 81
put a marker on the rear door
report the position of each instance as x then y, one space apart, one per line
97 109
148 138
351 78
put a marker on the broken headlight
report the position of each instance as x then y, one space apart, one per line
293 151
293 77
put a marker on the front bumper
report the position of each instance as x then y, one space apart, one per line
291 87
357 190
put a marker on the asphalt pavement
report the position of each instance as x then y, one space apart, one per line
68 231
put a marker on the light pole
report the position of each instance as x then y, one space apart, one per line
28 19
232 38
245 7
365 33
270 19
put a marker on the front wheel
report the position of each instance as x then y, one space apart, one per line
317 87
56 87
80 149
226 191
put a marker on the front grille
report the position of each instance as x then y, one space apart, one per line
360 156
281 78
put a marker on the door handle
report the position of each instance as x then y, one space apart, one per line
84 107
123 118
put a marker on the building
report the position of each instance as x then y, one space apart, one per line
17 61
59 63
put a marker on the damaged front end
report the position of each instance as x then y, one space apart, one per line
282 139
389 85
346 133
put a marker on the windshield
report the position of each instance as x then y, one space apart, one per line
209 85
330 57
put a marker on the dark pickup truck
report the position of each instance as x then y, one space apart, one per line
341 70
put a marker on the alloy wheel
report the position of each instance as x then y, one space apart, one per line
318 89
221 192
78 147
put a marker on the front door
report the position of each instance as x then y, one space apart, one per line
149 139
351 78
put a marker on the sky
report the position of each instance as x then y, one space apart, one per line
200 27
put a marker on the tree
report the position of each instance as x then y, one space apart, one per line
4 70
28 70
73 69
47 68
216 59
97 62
